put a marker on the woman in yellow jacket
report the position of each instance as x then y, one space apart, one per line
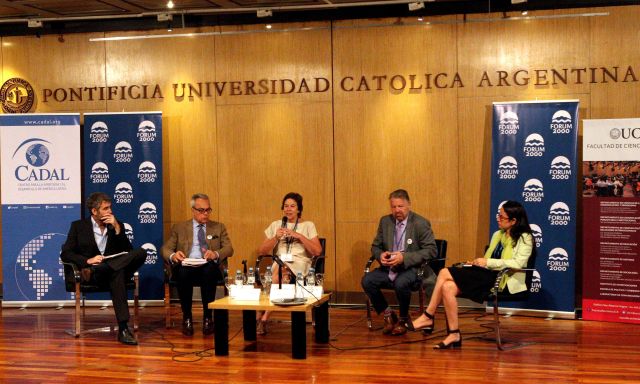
510 247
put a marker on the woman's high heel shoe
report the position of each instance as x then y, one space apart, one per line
453 344
427 329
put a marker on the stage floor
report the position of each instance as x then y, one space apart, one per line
35 348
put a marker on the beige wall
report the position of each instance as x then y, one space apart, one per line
344 151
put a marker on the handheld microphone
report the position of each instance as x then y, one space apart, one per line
110 227
284 221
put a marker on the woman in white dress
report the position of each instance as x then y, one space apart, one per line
295 240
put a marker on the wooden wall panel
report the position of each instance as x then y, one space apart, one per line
190 149
387 140
614 42
274 144
510 46
57 61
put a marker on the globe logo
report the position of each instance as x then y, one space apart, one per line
35 268
37 155
614 133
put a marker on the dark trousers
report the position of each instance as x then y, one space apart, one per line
206 276
115 273
378 279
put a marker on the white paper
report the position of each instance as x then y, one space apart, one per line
188 262
115 255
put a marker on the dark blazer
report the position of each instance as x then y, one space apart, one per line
419 242
81 244
181 239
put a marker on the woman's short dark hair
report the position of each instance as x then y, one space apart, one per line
515 210
96 199
294 196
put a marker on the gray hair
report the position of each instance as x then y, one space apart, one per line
400 194
96 199
198 196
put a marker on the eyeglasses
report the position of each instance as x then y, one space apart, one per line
203 210
502 218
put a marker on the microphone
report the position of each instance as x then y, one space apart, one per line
110 227
284 221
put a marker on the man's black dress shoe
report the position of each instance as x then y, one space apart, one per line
187 327
125 337
207 326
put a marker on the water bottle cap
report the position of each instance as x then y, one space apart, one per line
237 271
251 268
312 269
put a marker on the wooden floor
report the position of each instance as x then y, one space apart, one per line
35 348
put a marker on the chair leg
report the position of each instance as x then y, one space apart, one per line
136 302
167 305
496 320
369 319
421 297
76 314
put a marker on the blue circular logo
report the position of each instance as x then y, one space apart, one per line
37 155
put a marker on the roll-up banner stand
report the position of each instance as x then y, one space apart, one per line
41 180
123 158
534 162
611 220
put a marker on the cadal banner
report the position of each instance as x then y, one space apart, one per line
534 162
611 220
123 158
41 180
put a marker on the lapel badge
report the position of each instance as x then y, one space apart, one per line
209 237
409 241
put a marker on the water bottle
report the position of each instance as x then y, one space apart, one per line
268 279
298 287
311 277
251 277
239 279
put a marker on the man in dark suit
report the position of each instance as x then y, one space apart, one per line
197 239
89 241
404 241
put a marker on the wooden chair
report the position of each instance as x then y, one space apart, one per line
435 265
495 297
169 282
73 283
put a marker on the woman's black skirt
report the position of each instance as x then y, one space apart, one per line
473 282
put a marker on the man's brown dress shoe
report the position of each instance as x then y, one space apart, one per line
187 327
400 328
207 326
390 322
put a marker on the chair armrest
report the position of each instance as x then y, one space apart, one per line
371 260
503 272
70 269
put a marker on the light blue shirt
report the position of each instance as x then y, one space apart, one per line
196 247
101 238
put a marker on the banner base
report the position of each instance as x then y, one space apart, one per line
550 315
60 304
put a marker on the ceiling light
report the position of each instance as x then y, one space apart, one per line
420 18
524 13
170 4
264 13
34 24
165 17
415 6
268 26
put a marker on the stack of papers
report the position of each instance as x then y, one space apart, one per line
193 262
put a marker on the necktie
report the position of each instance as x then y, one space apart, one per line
398 245
202 241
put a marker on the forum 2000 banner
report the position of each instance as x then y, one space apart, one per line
534 162
123 158
611 220
41 182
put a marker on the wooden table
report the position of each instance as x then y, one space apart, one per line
222 307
